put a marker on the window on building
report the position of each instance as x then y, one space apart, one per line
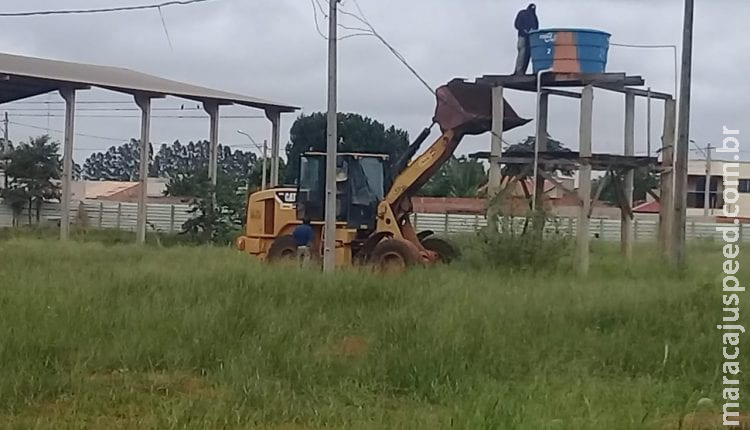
744 186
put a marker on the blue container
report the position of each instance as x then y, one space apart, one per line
569 50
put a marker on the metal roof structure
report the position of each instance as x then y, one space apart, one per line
22 77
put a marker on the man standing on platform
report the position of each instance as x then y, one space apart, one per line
526 21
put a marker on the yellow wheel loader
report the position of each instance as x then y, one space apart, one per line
374 195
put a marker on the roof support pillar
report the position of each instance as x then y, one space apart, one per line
541 133
275 118
213 142
626 226
584 186
69 95
143 102
496 152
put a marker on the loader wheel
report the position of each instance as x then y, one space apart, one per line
394 256
284 248
444 249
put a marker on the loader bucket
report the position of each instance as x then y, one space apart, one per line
467 108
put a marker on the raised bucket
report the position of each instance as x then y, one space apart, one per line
569 50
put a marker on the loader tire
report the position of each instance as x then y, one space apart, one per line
394 256
444 249
284 248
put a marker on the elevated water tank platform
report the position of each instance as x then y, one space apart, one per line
569 50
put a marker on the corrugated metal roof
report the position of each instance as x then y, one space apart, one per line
23 77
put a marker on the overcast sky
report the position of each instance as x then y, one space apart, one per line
271 49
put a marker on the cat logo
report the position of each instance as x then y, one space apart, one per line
287 197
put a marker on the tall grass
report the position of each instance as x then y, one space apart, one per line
97 336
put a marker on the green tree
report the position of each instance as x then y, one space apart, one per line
219 222
356 134
526 147
118 163
644 181
33 170
459 177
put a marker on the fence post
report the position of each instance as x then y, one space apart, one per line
635 229
742 236
692 229
171 220
570 226
416 222
119 215
447 220
101 214
601 228
476 223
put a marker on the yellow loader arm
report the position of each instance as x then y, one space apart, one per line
462 109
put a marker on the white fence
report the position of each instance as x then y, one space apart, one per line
170 218
108 215
603 229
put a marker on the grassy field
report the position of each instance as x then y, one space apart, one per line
120 337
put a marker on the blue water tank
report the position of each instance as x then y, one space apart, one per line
569 50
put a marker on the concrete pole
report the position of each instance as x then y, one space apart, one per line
275 118
329 255
707 192
626 226
648 123
496 153
541 137
213 141
666 195
263 184
584 186
143 102
6 123
679 252
69 95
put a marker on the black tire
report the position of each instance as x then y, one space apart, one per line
444 249
284 248
393 255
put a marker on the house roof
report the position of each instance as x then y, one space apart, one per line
652 207
22 77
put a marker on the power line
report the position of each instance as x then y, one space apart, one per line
101 10
113 139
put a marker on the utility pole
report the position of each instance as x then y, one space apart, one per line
683 140
329 253
707 192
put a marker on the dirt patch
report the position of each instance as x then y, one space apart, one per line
352 347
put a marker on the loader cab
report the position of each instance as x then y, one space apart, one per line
362 181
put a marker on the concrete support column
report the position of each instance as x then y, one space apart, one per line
143 102
69 95
496 152
542 133
275 118
666 197
626 226
213 141
584 186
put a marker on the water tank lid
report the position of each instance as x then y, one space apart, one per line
575 30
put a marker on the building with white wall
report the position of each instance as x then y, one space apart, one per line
697 170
